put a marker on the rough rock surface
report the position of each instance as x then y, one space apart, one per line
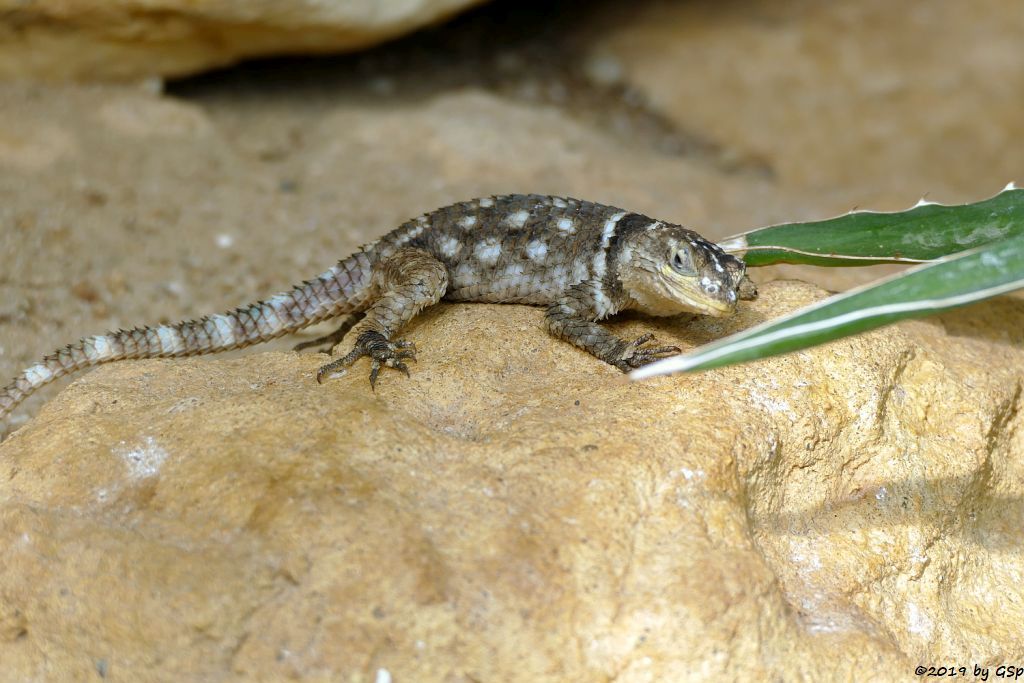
515 512
135 39
865 496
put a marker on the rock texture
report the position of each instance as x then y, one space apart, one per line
849 512
89 40
516 512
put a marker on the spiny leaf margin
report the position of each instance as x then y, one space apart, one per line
923 233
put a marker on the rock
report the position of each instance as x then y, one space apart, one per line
515 511
845 512
84 40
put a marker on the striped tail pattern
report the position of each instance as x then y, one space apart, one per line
336 291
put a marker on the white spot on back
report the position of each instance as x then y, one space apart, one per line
560 277
411 234
514 271
467 221
486 202
518 219
559 202
579 270
465 275
449 246
536 250
488 251
566 225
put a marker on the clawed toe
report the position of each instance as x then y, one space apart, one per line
382 353
635 355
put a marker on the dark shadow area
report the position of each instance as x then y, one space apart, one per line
965 506
531 52
999 320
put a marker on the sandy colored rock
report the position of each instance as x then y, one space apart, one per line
515 511
89 40
836 101
848 512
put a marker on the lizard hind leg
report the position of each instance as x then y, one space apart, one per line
404 284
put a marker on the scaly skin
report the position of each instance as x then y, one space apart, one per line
583 261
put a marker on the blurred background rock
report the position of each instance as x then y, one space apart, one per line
160 160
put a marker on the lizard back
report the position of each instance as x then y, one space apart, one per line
512 248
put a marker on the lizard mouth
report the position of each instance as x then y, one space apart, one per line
718 309
700 295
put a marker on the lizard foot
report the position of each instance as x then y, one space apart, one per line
381 351
634 355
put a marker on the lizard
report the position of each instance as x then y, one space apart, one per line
582 260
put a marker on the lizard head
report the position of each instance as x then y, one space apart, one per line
669 270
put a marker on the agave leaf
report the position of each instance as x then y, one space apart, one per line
861 238
929 288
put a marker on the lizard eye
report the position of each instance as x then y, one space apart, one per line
682 263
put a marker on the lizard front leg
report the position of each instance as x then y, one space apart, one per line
573 318
404 284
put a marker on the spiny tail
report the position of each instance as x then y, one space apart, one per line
332 293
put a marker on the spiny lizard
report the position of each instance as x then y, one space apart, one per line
583 261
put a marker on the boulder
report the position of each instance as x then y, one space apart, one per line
517 511
136 39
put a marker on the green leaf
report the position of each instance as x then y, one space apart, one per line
861 238
930 288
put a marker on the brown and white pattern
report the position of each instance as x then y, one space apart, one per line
583 260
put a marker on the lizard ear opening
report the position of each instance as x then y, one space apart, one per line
682 262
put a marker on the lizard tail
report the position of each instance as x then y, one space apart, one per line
331 293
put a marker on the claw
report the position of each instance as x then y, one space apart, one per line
643 339
328 370
399 365
636 356
381 351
